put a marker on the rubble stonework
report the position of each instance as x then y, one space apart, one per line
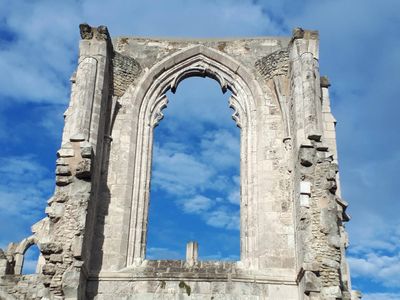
93 241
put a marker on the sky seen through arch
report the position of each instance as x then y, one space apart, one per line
195 175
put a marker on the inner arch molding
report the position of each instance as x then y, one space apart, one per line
149 96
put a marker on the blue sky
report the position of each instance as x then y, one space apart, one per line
195 179
360 52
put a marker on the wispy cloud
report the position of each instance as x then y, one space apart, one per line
379 268
381 296
223 217
221 148
179 173
24 189
199 169
157 252
198 204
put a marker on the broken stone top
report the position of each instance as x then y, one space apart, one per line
87 32
300 33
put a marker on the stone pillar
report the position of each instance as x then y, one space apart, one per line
3 263
192 253
72 209
40 263
78 114
82 115
306 92
329 122
329 125
19 262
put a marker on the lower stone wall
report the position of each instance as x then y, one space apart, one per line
321 226
22 287
177 279
188 289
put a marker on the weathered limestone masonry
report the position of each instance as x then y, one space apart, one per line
93 240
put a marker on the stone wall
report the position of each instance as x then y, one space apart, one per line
93 240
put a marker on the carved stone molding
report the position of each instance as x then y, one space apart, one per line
238 111
156 110
194 61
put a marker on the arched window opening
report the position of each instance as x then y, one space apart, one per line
195 179
32 260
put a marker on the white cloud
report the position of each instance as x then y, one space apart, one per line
25 168
36 65
179 173
234 194
380 268
222 217
220 256
24 189
198 204
221 182
221 148
162 253
234 197
381 296
178 18
374 250
197 159
198 103
191 177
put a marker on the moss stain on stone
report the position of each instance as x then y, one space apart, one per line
221 46
184 285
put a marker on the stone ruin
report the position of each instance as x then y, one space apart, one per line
292 234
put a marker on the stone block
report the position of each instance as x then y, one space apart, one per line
306 155
305 188
312 282
330 263
50 248
49 269
305 200
63 170
66 152
55 211
63 180
332 292
56 258
86 149
83 170
77 137
3 266
62 161
77 246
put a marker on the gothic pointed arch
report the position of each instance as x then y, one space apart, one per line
149 98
